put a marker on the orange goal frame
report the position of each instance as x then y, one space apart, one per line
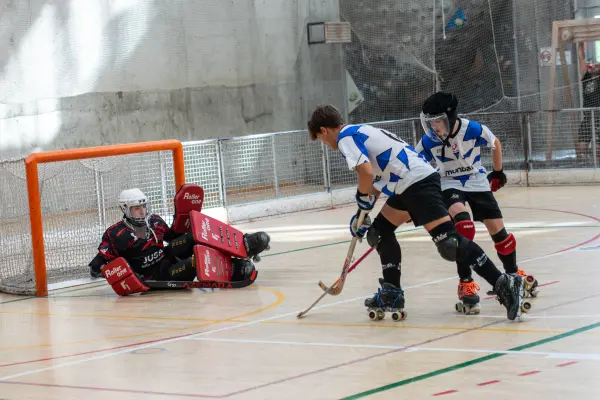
33 188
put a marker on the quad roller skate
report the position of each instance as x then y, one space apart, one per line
510 292
531 285
388 299
256 243
468 299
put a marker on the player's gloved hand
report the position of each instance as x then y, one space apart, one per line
365 201
497 180
356 230
96 273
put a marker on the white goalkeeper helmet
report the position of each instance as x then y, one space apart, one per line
132 198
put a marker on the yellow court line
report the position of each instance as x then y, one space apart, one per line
108 316
280 298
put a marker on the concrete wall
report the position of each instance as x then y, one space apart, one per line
78 74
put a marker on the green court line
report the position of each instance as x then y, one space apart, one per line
469 363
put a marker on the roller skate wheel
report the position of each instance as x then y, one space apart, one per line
459 307
530 279
403 315
476 309
466 309
395 316
526 306
534 293
372 315
380 315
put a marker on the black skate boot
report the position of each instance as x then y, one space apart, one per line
390 299
242 269
256 243
510 292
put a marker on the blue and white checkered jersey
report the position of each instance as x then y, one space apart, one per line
459 164
395 164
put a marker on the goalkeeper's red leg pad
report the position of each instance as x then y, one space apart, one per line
218 235
212 265
188 198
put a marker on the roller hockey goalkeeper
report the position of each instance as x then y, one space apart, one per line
202 251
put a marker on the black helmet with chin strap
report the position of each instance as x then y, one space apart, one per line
437 106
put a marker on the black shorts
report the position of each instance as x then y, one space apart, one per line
423 200
483 204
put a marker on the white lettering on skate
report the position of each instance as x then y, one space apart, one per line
216 237
206 264
205 229
194 198
169 284
459 170
125 286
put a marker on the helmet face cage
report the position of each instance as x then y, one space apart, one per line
126 206
437 124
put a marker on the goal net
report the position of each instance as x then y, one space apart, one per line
490 53
78 201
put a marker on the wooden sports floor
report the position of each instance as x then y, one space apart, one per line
85 342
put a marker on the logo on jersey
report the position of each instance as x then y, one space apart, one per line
152 258
459 171
455 148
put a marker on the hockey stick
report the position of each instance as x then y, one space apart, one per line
201 284
352 267
326 289
338 286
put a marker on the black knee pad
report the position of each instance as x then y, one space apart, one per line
450 245
381 229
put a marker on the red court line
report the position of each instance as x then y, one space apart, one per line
446 392
530 373
567 364
91 351
497 381
113 390
488 383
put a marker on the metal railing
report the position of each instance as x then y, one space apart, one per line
282 164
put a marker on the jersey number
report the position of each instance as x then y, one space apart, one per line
397 139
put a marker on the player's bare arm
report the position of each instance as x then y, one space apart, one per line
497 155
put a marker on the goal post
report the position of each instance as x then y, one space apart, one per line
107 169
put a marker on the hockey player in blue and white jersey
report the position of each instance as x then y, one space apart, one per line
454 145
387 164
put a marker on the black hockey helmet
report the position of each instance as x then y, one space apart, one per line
442 107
